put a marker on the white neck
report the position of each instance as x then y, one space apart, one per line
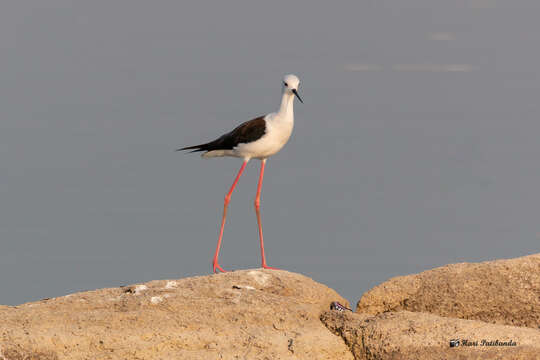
287 102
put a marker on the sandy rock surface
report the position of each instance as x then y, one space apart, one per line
422 336
499 292
248 314
263 314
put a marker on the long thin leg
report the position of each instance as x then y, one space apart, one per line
226 203
257 211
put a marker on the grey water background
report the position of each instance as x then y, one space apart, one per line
417 145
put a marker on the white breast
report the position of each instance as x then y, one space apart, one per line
278 132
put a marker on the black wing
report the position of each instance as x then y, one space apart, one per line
247 132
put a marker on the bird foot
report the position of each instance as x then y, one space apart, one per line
264 266
216 266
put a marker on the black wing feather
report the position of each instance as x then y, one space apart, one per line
249 131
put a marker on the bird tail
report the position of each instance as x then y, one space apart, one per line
194 148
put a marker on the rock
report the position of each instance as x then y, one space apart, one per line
249 314
499 292
422 336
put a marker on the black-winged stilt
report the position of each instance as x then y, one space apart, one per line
259 138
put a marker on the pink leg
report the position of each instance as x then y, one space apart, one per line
227 200
257 211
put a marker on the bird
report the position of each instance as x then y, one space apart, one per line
258 138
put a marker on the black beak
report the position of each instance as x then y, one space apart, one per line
298 96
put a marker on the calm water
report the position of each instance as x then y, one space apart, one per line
417 145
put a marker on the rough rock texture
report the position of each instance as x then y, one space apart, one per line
250 314
500 292
261 314
421 336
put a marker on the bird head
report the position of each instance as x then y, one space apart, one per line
290 85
